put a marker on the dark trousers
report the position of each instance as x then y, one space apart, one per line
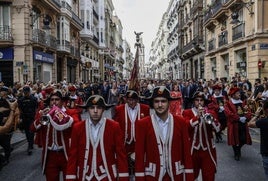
237 150
5 143
28 133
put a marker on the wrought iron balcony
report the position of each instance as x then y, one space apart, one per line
223 38
212 10
238 31
192 44
41 37
211 44
5 33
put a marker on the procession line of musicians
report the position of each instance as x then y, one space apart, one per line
139 141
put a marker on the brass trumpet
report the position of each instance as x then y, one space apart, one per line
207 117
44 120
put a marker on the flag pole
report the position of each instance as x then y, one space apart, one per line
134 78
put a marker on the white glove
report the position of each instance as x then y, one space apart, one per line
243 119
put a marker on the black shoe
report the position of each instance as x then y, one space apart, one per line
237 158
220 138
31 147
29 151
5 162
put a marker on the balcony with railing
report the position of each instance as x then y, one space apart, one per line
238 31
43 38
77 19
5 33
63 45
212 10
66 8
223 38
187 47
211 44
65 5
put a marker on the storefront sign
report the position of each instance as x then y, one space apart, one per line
43 57
6 53
263 46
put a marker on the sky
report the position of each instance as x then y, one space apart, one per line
140 16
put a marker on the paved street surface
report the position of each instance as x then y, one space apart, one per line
28 168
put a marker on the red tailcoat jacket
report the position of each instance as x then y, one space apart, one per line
106 160
232 124
150 152
61 133
201 135
121 116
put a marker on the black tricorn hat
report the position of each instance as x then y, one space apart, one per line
161 91
56 92
199 94
96 100
132 94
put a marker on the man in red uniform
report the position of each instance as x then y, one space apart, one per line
218 100
162 143
97 150
237 118
202 122
73 100
127 115
54 125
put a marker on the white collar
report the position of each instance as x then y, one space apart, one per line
220 95
234 101
98 124
162 122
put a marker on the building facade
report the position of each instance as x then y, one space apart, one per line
55 40
128 59
159 66
237 39
209 39
191 39
40 40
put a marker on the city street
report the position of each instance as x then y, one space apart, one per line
28 168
